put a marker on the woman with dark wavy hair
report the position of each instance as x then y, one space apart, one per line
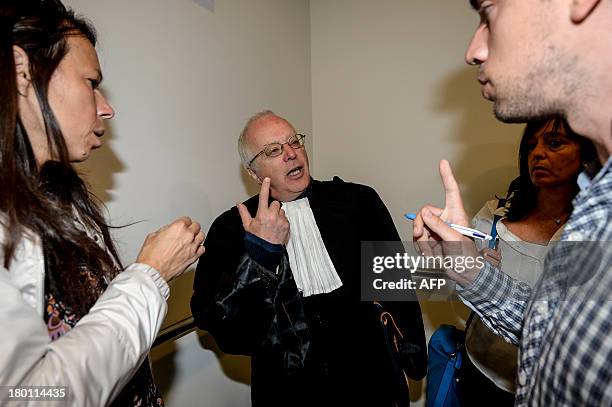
538 203
70 315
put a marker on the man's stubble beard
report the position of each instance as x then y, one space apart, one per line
543 92
522 107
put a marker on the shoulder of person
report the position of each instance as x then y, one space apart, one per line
2 237
28 246
348 189
485 214
2 228
229 221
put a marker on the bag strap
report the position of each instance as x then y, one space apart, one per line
493 232
453 364
468 322
386 318
501 202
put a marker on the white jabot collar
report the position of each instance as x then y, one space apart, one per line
313 271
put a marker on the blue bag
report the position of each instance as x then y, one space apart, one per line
444 349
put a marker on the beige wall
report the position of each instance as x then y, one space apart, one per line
392 96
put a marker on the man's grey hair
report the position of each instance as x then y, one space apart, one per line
243 148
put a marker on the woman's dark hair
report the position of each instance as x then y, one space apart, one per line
45 202
522 192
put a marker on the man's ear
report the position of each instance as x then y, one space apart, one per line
580 9
22 70
254 176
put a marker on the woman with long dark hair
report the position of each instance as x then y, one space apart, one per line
70 315
533 212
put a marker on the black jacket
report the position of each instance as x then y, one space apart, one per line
253 311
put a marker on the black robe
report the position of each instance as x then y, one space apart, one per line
346 360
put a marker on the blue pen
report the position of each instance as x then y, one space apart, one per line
469 232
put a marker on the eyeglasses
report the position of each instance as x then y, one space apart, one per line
275 149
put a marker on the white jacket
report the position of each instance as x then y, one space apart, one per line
98 356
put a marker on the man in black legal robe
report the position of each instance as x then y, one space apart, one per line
280 282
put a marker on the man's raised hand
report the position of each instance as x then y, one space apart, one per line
270 223
430 221
436 238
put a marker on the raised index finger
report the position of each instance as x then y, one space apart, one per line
264 194
451 189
